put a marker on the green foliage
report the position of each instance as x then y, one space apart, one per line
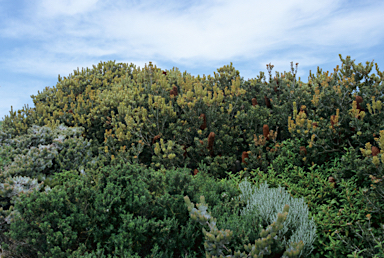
336 207
154 118
30 160
125 207
216 240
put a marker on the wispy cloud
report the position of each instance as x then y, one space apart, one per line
41 39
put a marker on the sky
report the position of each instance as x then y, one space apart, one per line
41 39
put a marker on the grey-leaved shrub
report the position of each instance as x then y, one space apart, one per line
216 240
30 161
269 202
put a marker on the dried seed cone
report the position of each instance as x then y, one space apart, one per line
243 156
303 150
266 131
185 150
211 139
375 151
155 139
204 125
267 102
173 91
254 102
359 100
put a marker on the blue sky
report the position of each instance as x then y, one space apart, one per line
43 38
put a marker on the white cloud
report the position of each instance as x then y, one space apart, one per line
41 39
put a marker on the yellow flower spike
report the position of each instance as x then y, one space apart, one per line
368 146
370 109
157 148
230 108
171 156
376 161
309 124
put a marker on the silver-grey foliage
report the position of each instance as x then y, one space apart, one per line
269 202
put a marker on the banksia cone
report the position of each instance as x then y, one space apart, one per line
266 132
375 151
245 155
70 111
254 102
359 100
314 124
204 125
195 172
185 150
155 138
164 72
173 91
303 150
211 139
267 102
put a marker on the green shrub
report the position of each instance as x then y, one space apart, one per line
169 119
125 207
216 240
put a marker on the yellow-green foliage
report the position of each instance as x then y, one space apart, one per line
170 119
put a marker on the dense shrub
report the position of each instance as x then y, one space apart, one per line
125 206
168 119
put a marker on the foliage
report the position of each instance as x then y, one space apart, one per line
215 240
268 202
166 119
30 160
119 209
333 205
